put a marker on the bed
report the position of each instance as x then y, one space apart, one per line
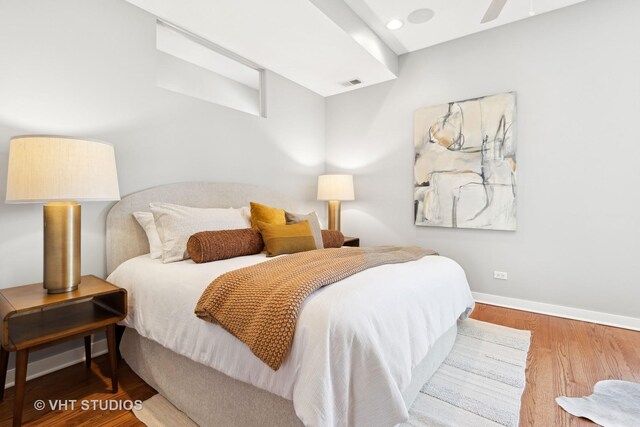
362 349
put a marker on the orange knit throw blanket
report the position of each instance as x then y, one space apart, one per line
259 304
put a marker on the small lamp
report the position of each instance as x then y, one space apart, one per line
61 171
334 189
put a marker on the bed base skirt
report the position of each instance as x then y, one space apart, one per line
211 398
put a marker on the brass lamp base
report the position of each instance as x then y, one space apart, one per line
334 215
61 247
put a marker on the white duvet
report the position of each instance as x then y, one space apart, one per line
355 345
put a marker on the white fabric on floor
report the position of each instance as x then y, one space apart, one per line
613 404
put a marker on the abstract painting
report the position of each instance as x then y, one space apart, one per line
465 164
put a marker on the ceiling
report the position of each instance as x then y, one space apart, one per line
293 38
321 44
452 18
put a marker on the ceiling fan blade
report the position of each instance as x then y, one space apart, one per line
493 11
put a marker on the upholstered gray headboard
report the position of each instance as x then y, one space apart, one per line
125 237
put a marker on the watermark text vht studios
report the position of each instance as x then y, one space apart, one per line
87 405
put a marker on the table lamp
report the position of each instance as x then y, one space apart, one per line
61 171
334 189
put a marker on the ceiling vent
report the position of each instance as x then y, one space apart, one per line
350 83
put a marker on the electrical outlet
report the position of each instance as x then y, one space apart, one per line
500 275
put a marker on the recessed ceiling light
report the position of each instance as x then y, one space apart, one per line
395 24
420 16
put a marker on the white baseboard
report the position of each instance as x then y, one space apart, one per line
608 319
56 362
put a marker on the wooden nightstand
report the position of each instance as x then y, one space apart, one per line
351 241
33 319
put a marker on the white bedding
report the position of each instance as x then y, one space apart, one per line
355 344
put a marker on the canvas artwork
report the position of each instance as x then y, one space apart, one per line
465 164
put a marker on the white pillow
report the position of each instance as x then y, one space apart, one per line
148 224
175 224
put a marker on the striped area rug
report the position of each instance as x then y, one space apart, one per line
480 383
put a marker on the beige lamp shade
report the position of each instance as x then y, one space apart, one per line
335 187
55 168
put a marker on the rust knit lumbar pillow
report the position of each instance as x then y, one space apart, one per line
266 214
207 246
332 238
287 239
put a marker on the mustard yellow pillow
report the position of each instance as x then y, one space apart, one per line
266 214
287 239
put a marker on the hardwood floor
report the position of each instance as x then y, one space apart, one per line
566 358
79 383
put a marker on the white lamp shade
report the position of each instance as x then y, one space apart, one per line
335 187
55 168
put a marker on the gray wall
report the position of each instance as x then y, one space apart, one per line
88 68
576 72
